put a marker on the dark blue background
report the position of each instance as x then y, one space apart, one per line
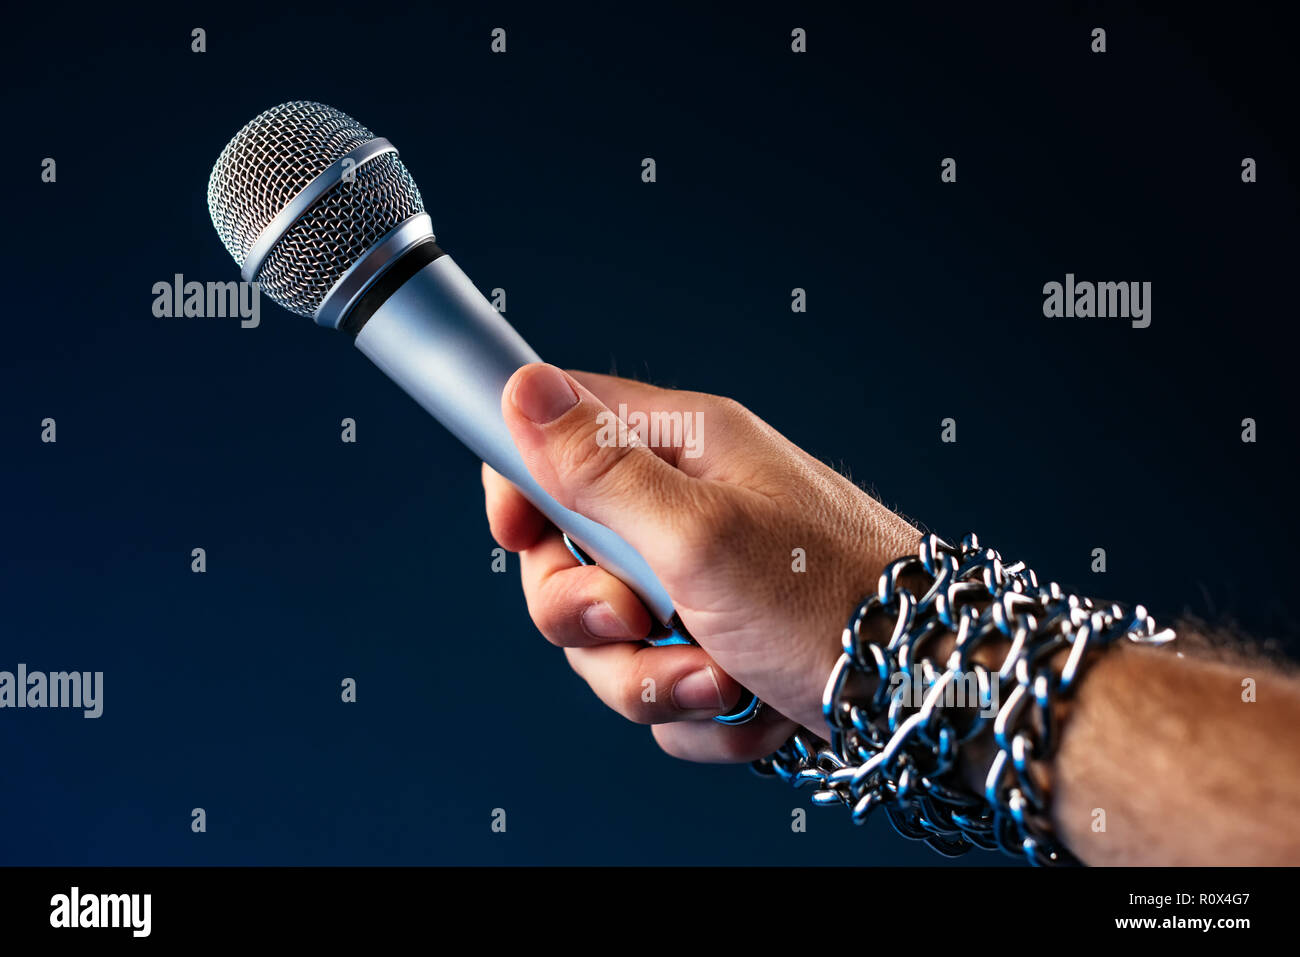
372 560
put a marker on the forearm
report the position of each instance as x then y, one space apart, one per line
1183 753
1165 760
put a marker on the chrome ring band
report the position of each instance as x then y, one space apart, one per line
361 275
297 207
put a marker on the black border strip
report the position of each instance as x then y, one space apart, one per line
410 262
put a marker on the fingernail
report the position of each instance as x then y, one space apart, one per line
544 394
600 622
698 691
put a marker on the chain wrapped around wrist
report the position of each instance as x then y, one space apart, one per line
897 719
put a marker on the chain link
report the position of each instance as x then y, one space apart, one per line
895 746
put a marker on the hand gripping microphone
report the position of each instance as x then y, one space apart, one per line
324 216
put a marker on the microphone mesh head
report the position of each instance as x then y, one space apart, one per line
269 162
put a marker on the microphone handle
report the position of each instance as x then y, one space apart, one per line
448 348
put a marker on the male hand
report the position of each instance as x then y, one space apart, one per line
718 521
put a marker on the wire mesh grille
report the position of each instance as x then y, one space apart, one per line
269 162
318 249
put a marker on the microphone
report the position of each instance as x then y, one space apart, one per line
325 217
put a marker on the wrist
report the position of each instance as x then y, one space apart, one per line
981 660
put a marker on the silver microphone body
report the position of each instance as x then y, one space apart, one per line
450 350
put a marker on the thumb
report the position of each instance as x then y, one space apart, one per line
587 459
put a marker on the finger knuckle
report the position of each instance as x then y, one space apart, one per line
731 410
547 623
547 611
585 459
736 746
639 698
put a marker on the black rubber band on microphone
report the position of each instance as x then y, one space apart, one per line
411 262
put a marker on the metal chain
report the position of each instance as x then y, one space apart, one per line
895 746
